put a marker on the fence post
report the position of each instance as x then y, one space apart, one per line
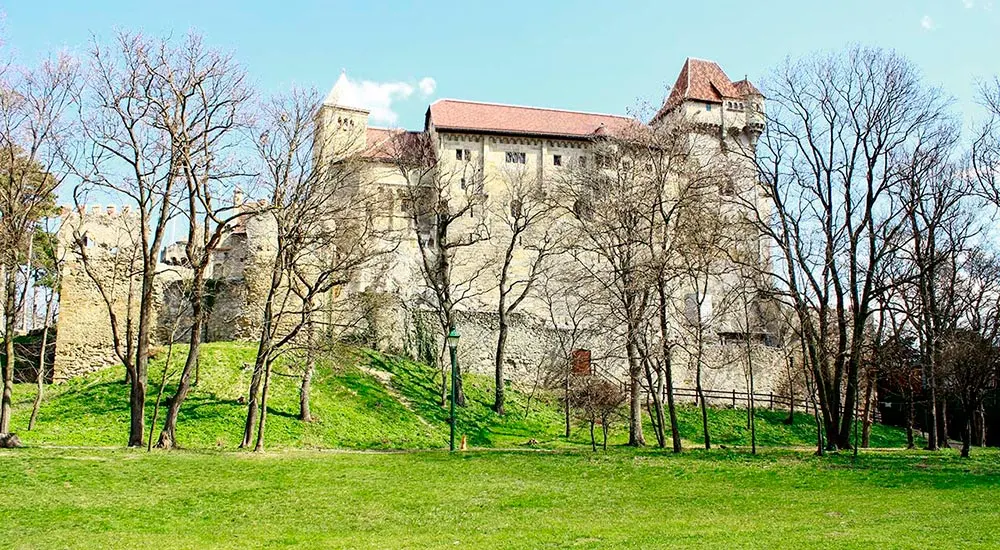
734 398
771 395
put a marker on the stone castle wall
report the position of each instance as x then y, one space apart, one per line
84 338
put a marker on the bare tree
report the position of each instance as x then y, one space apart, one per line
837 130
33 127
603 195
48 274
126 153
971 353
572 319
527 240
598 401
201 105
985 154
327 231
445 202
702 263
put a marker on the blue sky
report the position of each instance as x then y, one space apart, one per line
592 56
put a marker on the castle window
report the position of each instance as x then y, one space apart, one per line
463 154
516 157
463 183
557 160
515 208
708 106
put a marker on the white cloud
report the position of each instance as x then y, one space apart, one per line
927 23
378 98
427 85
968 3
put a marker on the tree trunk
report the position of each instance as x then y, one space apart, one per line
932 433
566 408
168 435
675 431
656 414
259 445
981 426
305 414
263 353
967 435
635 437
256 378
10 301
668 367
593 438
137 389
911 412
751 406
40 379
866 426
159 394
701 399
498 398
943 425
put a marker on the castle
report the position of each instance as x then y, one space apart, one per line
488 140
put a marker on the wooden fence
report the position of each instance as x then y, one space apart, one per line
738 399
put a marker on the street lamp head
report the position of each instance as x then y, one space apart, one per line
453 338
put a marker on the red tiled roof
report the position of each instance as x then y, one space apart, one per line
703 80
376 141
453 114
390 144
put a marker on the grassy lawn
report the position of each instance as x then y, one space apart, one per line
360 400
55 498
73 486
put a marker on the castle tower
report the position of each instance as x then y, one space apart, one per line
703 94
110 240
342 125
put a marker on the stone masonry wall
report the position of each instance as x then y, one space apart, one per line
105 235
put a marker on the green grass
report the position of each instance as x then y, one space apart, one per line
78 498
355 409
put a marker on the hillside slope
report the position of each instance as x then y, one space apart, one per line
360 400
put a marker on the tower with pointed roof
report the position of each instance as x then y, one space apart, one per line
703 94
342 123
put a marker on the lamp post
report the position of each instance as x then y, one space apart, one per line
453 347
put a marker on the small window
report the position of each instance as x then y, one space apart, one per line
583 162
708 106
463 183
463 154
516 157
557 160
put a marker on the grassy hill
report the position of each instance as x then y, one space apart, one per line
360 400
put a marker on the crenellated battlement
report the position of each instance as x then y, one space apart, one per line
96 210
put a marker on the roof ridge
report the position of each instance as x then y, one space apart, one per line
552 109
